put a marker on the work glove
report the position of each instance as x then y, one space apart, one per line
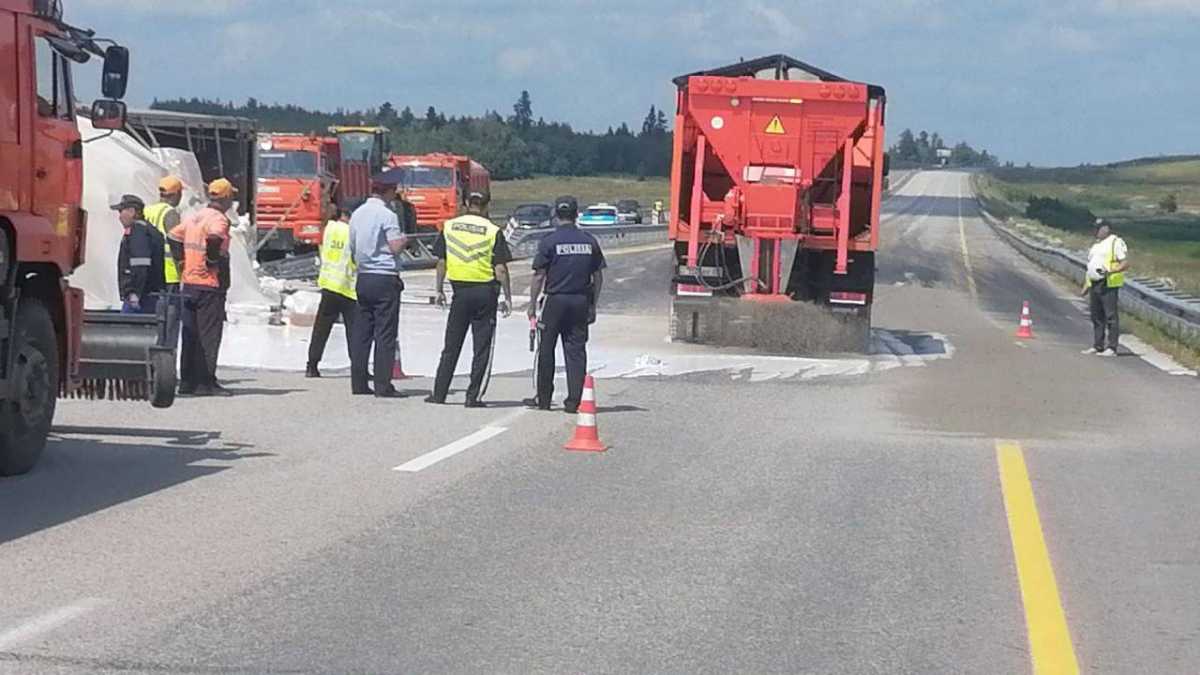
134 301
505 308
441 299
531 310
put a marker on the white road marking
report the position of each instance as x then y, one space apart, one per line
966 253
466 443
1154 357
47 622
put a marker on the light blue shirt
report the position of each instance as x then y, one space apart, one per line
372 226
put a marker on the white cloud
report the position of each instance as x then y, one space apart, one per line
1151 6
176 7
775 19
514 61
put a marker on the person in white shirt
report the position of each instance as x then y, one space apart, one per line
1108 260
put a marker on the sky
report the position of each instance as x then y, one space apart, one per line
1052 83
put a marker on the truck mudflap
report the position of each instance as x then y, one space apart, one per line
129 357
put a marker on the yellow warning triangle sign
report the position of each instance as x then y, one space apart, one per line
776 126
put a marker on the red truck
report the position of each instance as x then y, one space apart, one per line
300 177
437 185
48 345
776 185
296 177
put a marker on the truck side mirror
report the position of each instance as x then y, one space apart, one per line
108 114
887 164
115 78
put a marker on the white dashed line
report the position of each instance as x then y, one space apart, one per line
466 443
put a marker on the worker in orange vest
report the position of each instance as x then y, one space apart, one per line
200 244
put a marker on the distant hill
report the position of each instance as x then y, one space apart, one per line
1167 159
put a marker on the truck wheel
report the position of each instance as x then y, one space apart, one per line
25 420
163 379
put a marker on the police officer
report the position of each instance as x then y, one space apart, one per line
472 252
336 281
567 268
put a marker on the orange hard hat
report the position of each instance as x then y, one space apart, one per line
170 185
221 188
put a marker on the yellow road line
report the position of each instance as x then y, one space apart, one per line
1049 639
966 253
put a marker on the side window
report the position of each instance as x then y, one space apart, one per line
53 83
44 63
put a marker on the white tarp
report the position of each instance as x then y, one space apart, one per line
117 164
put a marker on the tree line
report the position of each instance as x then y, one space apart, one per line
517 146
922 150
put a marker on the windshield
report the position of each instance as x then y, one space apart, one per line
296 164
538 212
426 176
357 146
627 206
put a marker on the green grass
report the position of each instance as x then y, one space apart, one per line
1161 245
507 195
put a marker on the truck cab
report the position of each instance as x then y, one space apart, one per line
296 178
437 185
42 226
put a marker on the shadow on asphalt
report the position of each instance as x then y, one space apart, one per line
926 205
80 476
921 344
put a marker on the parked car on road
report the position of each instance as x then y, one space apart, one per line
629 211
599 215
530 217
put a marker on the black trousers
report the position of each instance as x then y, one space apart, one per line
332 306
203 323
564 316
378 322
473 306
1103 303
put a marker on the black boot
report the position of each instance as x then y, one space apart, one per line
312 371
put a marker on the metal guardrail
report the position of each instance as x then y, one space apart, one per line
1176 314
523 242
419 254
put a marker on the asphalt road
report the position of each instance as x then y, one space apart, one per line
1016 505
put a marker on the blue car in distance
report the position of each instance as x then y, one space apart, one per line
599 215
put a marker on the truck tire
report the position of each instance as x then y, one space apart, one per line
25 421
163 379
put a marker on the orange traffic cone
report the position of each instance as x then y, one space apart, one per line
397 369
1025 331
587 438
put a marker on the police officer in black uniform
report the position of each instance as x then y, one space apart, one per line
472 252
567 268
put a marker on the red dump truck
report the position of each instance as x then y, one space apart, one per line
437 185
297 175
776 184
300 177
48 345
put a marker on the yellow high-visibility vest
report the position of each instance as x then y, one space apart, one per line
338 273
156 215
470 241
1113 279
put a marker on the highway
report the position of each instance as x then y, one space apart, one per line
994 507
